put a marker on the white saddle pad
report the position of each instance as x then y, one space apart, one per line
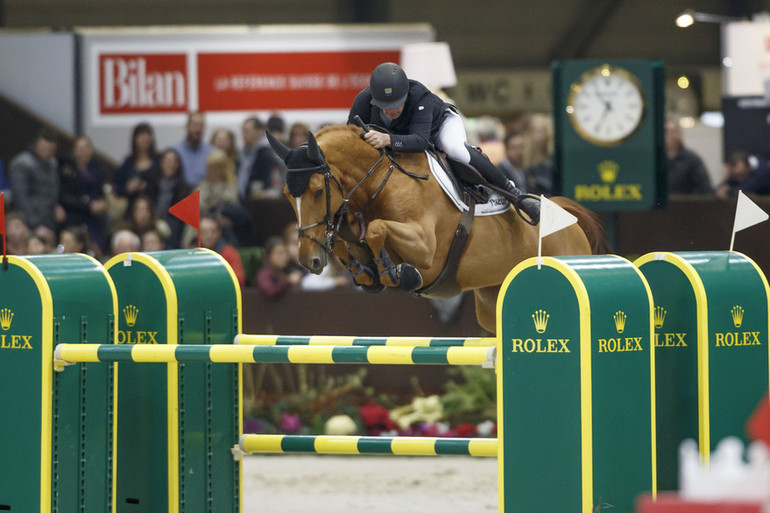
496 204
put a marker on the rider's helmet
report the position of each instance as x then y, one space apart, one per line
388 86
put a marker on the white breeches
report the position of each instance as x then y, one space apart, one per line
451 138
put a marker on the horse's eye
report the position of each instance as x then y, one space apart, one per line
318 193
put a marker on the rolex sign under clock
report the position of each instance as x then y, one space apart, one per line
608 127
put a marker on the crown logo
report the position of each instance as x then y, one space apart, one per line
541 320
388 91
620 321
737 314
608 170
130 312
6 317
660 316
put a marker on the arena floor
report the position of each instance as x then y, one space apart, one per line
375 484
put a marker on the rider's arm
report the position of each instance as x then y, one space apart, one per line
418 138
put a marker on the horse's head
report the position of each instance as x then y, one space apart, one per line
316 196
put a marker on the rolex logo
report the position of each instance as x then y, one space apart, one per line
620 321
660 316
130 312
608 170
540 317
737 314
6 317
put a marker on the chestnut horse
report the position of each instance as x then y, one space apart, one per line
407 223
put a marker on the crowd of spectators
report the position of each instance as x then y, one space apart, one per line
70 204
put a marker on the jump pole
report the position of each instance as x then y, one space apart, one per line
281 340
169 353
399 445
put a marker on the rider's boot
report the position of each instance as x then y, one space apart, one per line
494 176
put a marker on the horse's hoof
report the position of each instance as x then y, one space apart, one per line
411 279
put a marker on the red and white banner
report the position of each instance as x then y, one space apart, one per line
148 83
285 81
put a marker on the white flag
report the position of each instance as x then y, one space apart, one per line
552 219
747 214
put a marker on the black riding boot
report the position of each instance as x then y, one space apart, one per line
494 176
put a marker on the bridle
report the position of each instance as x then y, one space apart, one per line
333 221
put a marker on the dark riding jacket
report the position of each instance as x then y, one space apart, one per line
417 126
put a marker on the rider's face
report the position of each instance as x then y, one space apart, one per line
393 113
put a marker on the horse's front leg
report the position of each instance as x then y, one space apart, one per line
411 244
358 262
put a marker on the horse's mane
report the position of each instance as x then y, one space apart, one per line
344 129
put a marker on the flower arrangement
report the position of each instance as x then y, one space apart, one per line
311 403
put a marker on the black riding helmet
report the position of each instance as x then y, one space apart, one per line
388 86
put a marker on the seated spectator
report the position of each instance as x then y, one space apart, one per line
274 278
538 154
125 241
193 149
16 233
745 173
143 218
224 139
219 196
298 135
34 178
153 240
686 172
74 239
82 191
171 188
277 126
138 172
490 132
211 238
36 245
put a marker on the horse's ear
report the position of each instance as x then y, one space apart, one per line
313 151
279 148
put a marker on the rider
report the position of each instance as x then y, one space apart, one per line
415 118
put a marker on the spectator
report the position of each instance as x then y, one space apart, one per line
74 239
274 278
34 177
538 154
153 240
138 172
258 166
277 126
211 238
16 233
125 241
489 131
194 150
745 173
171 189
37 246
220 184
82 192
686 172
512 165
298 135
224 140
143 218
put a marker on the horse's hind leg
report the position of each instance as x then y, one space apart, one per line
486 306
414 246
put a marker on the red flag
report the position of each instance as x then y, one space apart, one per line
189 211
2 220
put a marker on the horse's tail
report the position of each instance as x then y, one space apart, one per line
589 221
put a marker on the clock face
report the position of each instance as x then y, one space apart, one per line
605 105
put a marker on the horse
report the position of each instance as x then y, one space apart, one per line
400 223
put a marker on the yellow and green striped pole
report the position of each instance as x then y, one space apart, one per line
399 445
170 353
323 340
